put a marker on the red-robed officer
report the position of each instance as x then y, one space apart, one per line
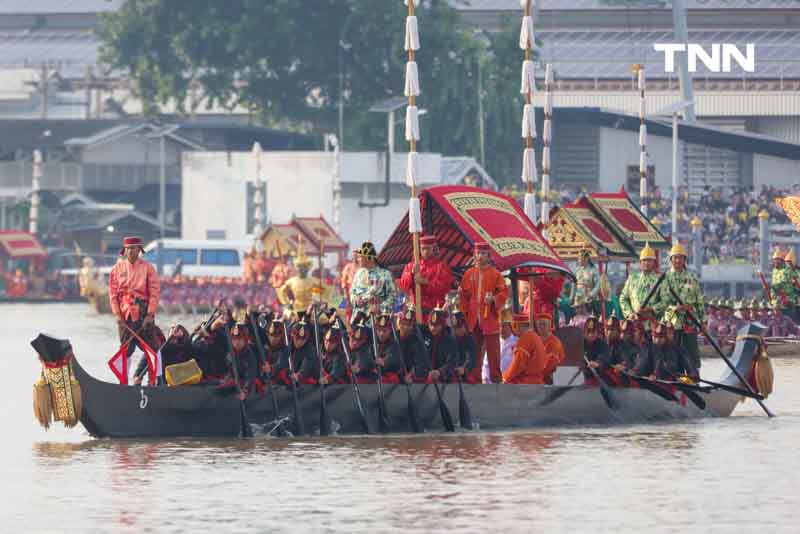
483 294
547 287
433 274
133 292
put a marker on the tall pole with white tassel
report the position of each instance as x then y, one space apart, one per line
412 136
258 198
639 69
33 218
527 88
527 42
547 136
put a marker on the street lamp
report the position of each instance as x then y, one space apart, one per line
673 110
162 190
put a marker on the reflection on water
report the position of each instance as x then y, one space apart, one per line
728 475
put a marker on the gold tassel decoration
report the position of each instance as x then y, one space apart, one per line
77 401
42 402
765 375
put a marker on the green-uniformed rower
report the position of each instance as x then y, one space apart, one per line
638 286
687 287
586 291
784 293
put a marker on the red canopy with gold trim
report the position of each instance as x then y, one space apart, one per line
626 219
578 226
17 244
460 216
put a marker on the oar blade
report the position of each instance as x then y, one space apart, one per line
412 412
464 414
246 431
444 411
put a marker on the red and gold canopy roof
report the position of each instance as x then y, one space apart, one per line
16 244
460 216
579 226
625 218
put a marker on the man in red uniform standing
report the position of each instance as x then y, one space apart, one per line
134 289
483 293
433 275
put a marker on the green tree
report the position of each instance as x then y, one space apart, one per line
285 60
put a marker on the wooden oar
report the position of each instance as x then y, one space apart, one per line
245 431
383 419
362 414
652 386
605 391
262 357
444 412
412 410
324 422
299 426
464 413
713 343
733 389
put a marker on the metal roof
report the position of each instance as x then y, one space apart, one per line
697 133
589 5
609 54
52 7
69 52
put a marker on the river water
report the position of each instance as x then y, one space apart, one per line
730 475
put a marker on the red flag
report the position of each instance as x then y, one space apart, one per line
119 364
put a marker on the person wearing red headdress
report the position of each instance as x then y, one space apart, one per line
482 294
134 291
530 356
433 274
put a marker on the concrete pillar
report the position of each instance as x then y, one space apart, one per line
763 236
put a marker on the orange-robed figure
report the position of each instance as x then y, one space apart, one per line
483 293
530 356
133 291
434 276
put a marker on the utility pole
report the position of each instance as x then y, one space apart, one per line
681 31
45 86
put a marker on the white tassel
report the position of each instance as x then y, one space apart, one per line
642 135
643 187
547 131
643 162
529 173
528 121
526 39
412 169
545 187
545 216
642 107
528 84
412 79
548 103
545 160
412 123
548 74
641 80
412 33
530 206
414 216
